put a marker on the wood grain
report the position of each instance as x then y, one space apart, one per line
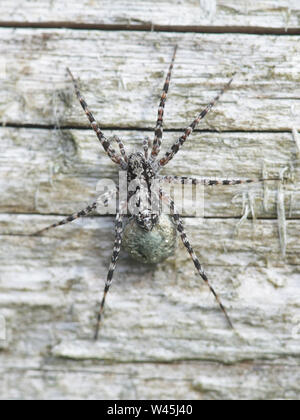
163 335
122 76
56 171
65 271
210 13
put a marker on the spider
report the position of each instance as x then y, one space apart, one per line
144 223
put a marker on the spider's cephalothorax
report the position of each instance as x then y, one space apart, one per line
149 235
140 167
140 177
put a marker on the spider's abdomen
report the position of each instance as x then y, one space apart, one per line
150 247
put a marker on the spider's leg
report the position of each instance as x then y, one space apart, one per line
177 145
179 224
146 146
158 132
121 147
105 143
75 216
114 259
211 182
68 219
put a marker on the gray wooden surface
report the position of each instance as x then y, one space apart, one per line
163 335
283 14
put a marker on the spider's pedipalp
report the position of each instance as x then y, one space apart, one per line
147 144
158 132
121 147
178 144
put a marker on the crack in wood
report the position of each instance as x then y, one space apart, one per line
149 27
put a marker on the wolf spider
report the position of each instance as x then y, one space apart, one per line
144 167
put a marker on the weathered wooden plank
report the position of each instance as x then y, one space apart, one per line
55 280
56 171
162 315
181 380
48 290
267 13
122 74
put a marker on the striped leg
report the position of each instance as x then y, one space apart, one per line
208 182
114 259
105 143
177 145
68 219
146 146
105 197
121 147
158 132
179 224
